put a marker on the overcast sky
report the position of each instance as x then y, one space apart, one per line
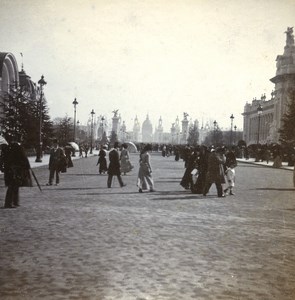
162 58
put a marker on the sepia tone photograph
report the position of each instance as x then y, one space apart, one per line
147 149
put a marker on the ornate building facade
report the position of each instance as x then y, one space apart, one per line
158 136
185 129
263 118
147 131
9 76
136 130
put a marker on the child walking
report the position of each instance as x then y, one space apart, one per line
230 176
230 164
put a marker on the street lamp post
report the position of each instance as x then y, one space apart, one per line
235 137
75 102
215 125
91 146
41 82
259 112
231 129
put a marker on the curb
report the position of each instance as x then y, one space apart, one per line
261 164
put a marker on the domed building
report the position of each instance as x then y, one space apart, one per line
9 76
147 131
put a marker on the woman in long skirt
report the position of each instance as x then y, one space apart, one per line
102 162
145 180
126 166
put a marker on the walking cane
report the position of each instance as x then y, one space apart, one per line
36 180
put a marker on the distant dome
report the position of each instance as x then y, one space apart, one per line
147 125
147 130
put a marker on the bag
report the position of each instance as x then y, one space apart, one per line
195 175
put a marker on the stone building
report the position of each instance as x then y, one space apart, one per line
136 131
158 136
147 131
185 129
9 77
16 85
263 127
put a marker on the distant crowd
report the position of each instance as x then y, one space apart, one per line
204 165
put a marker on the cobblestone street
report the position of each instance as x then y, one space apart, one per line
81 240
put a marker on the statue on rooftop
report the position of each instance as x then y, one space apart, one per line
185 115
115 113
290 36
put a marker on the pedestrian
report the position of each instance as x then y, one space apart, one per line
81 150
190 165
215 172
114 166
176 153
16 167
57 163
102 162
86 148
164 148
145 180
126 165
277 163
230 172
68 152
201 166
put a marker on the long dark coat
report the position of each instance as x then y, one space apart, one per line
114 166
57 160
215 171
16 166
102 161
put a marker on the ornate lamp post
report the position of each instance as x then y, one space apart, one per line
235 137
259 112
41 82
78 124
231 129
215 126
91 146
75 102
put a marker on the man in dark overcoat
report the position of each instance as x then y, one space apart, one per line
57 161
215 172
16 167
114 166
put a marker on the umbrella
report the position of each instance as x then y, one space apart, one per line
131 147
74 146
36 180
2 140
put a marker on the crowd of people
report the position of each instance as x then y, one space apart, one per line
204 166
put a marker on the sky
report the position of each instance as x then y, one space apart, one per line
162 58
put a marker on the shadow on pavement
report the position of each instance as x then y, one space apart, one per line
57 188
85 174
191 197
275 189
